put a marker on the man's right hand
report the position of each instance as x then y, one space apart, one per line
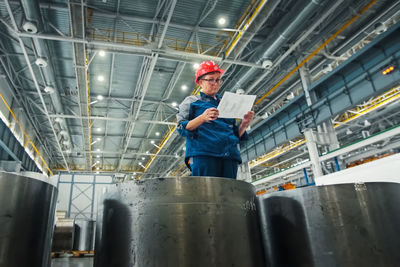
210 114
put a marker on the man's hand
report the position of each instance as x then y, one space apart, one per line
210 114
248 118
245 122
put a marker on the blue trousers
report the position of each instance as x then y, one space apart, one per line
213 166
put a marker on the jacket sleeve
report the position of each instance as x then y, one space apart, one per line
183 117
244 137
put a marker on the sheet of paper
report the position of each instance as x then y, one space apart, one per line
235 106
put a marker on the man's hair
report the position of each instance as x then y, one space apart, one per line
202 76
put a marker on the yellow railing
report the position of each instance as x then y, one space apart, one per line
141 39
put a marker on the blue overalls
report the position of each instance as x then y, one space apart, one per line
213 148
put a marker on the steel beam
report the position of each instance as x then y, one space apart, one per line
353 82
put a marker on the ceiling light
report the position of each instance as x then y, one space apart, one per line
99 129
147 152
49 89
98 168
157 134
196 66
100 78
98 161
152 142
221 21
97 172
143 158
174 104
100 97
134 173
29 27
240 91
41 62
98 138
140 163
102 53
98 156
184 87
98 149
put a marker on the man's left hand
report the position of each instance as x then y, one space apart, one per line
247 118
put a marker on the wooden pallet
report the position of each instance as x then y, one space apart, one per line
82 253
72 253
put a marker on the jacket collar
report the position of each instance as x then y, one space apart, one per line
203 95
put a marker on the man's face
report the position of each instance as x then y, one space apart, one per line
210 83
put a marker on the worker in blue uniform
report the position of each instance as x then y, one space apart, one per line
212 143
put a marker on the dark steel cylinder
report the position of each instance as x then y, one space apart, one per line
84 235
194 221
27 208
337 225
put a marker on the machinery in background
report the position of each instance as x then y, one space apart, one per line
63 237
84 235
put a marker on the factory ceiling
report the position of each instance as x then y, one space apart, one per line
98 81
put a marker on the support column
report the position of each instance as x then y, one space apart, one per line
313 152
331 134
244 173
305 79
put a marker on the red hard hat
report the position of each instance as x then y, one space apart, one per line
207 67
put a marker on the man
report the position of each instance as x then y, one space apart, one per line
211 142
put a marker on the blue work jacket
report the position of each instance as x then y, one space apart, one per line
218 138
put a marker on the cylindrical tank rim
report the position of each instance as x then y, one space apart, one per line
31 175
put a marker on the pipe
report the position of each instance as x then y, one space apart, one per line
293 26
32 13
22 45
348 23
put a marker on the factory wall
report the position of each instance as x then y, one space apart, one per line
78 193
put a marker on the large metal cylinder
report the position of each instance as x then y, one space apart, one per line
196 221
27 208
63 237
84 235
337 225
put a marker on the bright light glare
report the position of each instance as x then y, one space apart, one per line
184 87
157 134
100 97
100 78
98 138
152 141
221 21
102 53
174 104
99 129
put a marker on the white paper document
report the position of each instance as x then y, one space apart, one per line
235 106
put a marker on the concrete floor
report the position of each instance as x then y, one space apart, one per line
72 262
